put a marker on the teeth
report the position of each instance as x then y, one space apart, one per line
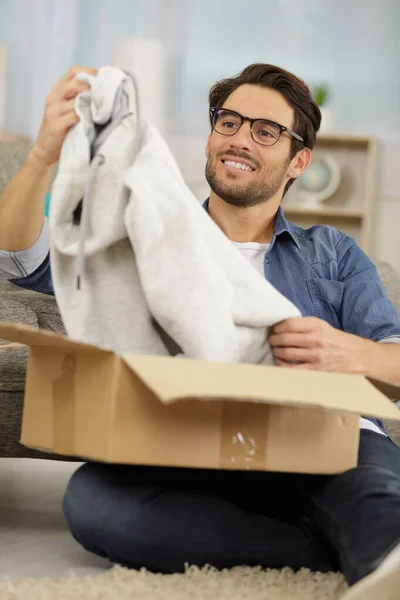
237 165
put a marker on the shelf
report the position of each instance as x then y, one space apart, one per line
353 207
355 140
328 211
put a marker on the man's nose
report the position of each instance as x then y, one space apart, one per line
242 138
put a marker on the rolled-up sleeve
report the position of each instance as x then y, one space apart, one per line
393 339
366 309
17 265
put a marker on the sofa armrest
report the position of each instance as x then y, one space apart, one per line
391 281
31 308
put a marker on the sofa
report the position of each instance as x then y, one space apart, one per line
41 311
36 310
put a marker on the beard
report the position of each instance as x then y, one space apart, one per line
252 194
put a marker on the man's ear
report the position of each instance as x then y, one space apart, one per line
299 163
207 149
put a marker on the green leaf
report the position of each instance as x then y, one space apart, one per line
320 94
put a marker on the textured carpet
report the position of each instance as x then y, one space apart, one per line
242 583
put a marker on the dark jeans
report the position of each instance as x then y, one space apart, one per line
162 518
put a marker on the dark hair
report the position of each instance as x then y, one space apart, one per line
307 116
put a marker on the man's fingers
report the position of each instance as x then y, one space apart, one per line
67 121
73 72
302 355
283 363
73 88
60 109
66 89
294 340
297 325
67 106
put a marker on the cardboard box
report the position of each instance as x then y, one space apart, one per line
88 402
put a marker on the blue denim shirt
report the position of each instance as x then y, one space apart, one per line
321 270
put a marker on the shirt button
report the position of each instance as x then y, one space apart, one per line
267 260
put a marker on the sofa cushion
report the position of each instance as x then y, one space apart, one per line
393 429
12 310
13 358
13 361
45 309
13 155
31 309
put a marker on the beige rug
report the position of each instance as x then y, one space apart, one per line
241 583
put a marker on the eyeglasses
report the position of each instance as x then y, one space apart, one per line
264 132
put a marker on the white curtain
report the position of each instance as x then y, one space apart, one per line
40 41
353 45
43 38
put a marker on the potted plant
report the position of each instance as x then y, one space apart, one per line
321 95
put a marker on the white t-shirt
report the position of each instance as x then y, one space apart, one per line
255 253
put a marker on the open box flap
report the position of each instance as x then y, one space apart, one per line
173 379
390 390
40 337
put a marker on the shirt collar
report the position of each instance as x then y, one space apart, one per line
282 225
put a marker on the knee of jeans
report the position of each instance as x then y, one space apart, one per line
99 516
373 477
79 508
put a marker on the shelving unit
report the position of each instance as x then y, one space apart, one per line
352 208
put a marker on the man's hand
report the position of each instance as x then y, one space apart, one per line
310 343
59 116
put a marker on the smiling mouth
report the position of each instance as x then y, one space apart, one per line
238 166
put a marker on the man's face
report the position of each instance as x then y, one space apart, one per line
269 165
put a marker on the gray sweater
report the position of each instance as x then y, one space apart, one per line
141 248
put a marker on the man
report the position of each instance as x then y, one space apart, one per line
263 128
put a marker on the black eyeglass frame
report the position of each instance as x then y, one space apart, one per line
215 110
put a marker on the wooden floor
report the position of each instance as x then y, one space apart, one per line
34 539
